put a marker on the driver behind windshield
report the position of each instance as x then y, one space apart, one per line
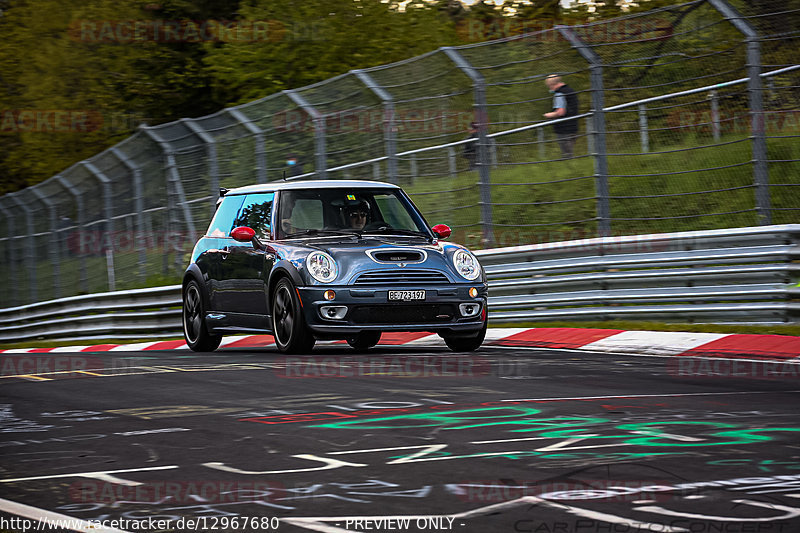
357 215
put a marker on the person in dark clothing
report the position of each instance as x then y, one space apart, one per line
565 104
294 165
471 148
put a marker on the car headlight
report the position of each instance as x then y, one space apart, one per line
466 265
322 267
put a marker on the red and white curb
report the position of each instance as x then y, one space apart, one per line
774 347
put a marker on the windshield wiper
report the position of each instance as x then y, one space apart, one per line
321 232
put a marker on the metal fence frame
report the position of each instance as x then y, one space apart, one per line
200 135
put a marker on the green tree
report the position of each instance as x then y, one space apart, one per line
77 83
311 40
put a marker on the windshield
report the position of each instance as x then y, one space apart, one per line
347 211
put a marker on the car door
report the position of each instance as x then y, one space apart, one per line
216 244
245 267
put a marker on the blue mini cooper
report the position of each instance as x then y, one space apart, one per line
329 260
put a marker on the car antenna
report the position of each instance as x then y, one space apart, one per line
284 175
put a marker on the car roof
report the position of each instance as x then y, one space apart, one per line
309 184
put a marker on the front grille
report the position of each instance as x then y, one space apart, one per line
401 277
402 314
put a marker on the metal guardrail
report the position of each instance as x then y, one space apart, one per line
118 314
729 275
745 275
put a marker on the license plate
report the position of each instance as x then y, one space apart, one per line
406 295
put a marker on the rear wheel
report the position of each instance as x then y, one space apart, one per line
365 340
288 325
466 344
194 327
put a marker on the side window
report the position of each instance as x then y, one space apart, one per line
256 213
222 223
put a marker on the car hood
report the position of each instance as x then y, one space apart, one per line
369 253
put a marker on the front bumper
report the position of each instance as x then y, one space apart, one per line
369 309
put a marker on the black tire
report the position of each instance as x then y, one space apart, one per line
194 326
364 340
288 325
466 344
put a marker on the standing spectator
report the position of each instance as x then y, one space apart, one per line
565 104
294 164
471 148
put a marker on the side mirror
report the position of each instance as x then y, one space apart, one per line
243 234
442 231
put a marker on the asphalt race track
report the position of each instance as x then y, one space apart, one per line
399 439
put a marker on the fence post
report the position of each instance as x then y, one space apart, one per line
376 171
451 161
174 177
54 242
12 254
389 128
644 134
321 170
213 163
30 252
756 97
589 136
138 200
541 143
599 125
108 212
484 158
76 194
715 130
258 134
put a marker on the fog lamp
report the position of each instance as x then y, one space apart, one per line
333 312
469 310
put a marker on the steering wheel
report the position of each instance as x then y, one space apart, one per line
378 224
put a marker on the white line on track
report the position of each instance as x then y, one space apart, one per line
103 474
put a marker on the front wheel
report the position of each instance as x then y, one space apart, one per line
364 341
288 325
194 327
466 344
